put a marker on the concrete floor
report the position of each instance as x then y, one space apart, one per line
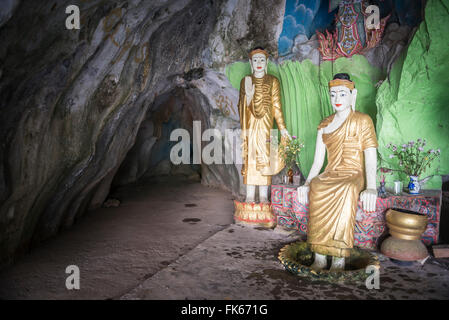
175 240
118 248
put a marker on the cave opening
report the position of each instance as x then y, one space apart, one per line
148 161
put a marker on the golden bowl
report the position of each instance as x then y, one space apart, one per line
406 225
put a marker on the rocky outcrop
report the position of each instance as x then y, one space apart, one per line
304 49
394 42
7 10
243 25
72 101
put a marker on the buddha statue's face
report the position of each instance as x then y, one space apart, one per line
259 63
342 98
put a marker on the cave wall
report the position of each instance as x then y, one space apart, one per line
72 101
8 8
413 103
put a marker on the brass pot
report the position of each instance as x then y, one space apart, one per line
406 225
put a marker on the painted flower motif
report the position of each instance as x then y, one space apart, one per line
293 137
420 148
391 156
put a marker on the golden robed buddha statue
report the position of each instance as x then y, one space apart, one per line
259 105
350 140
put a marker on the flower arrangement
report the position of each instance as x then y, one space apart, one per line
383 172
290 151
412 158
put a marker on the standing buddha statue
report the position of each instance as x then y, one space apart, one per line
259 106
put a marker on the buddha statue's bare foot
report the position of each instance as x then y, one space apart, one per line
320 262
338 264
250 194
263 194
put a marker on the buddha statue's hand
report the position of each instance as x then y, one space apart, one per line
369 199
250 88
285 134
303 194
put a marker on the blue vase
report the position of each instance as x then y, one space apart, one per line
382 191
413 185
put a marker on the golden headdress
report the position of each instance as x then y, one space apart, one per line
258 50
341 82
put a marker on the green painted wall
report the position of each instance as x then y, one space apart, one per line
414 103
305 98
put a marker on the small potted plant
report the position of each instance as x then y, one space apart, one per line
290 152
413 161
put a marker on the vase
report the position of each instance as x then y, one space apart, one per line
290 176
297 180
413 185
382 191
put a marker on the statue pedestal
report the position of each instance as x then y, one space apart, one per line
297 259
254 214
404 250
